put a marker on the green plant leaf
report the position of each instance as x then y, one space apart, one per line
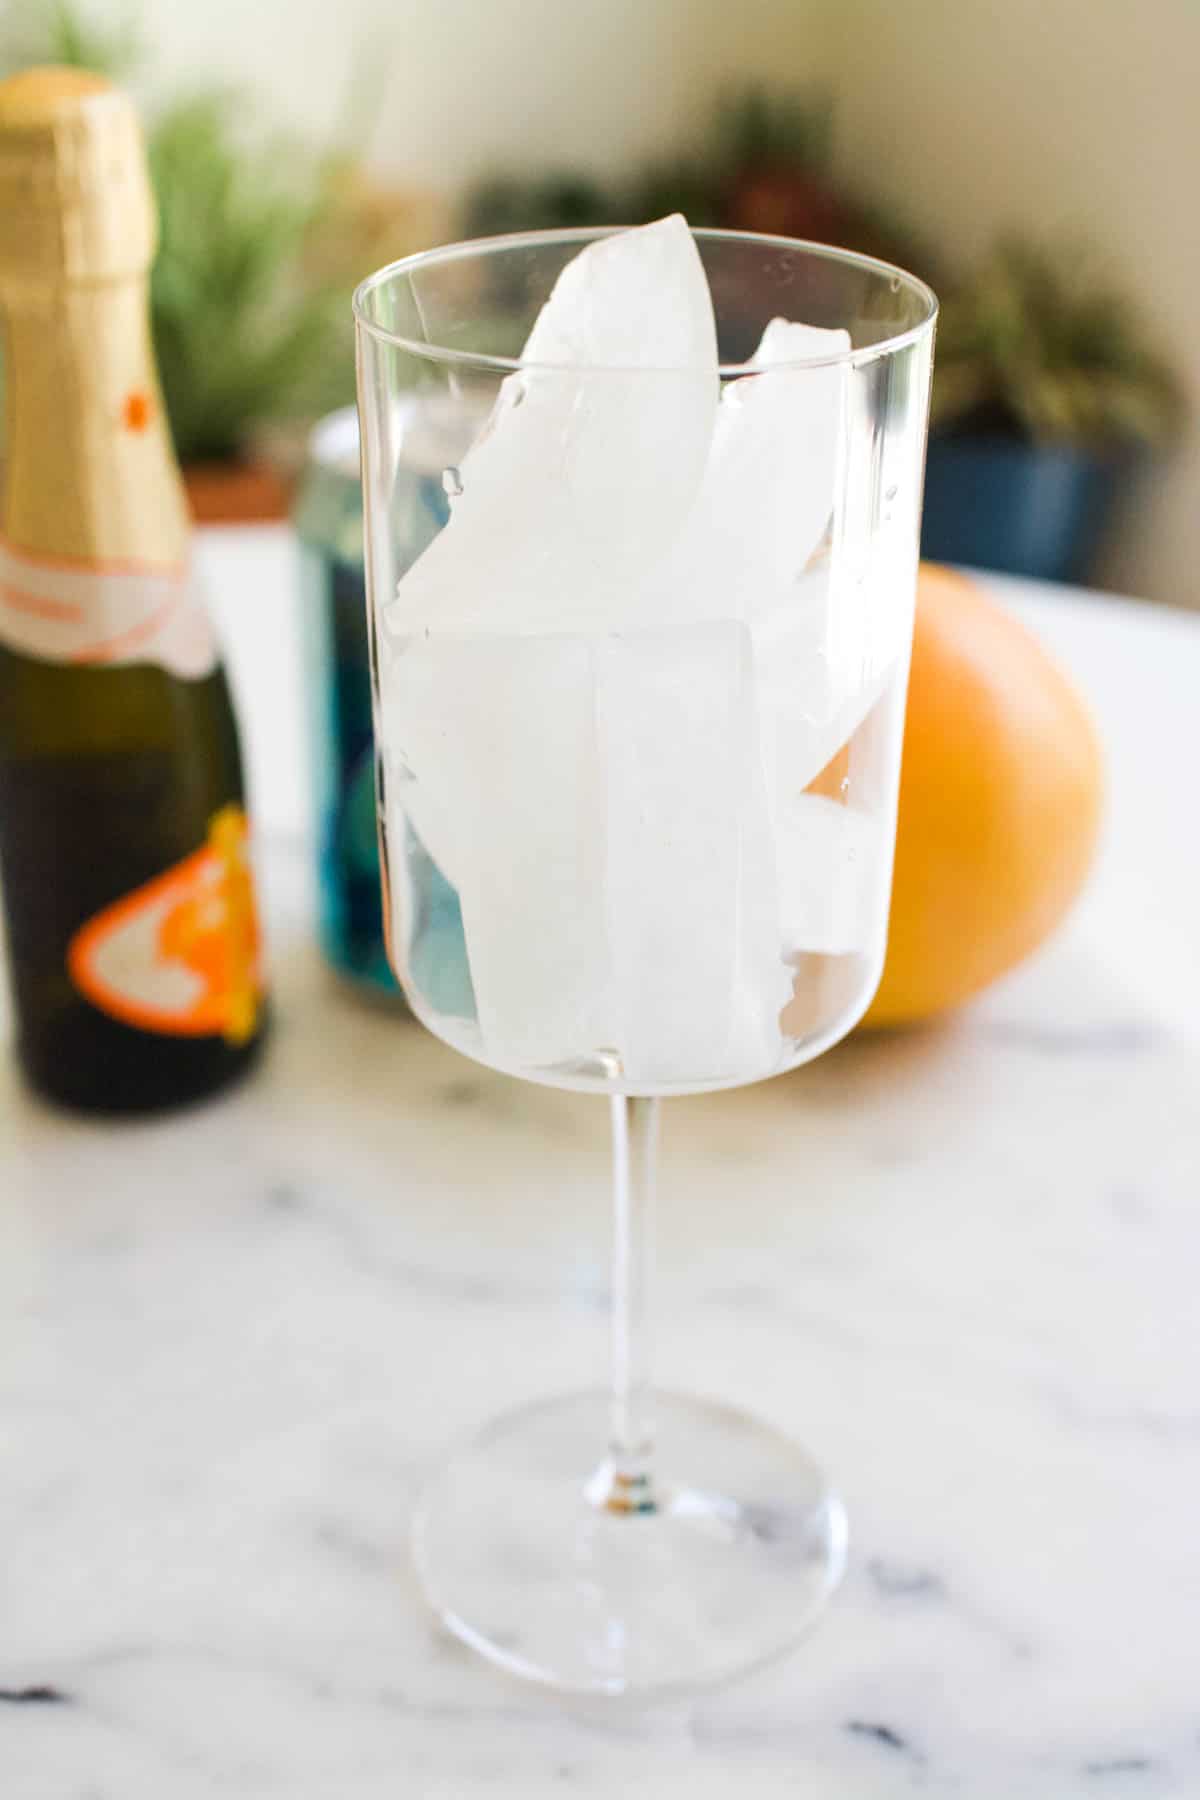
54 31
1042 338
243 335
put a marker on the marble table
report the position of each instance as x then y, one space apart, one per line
961 1262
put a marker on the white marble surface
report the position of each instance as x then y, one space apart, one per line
961 1263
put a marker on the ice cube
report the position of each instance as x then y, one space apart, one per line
635 299
811 701
826 639
832 887
426 746
833 859
801 723
593 453
690 888
827 644
503 785
778 450
769 483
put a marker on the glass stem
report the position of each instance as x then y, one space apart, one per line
635 1157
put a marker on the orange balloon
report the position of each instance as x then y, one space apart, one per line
1000 802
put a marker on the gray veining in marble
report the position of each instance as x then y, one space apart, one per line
962 1263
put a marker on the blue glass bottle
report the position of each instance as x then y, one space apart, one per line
328 521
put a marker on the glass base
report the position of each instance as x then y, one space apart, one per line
531 1554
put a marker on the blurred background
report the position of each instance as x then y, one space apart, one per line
1031 157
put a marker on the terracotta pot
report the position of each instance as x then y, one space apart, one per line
236 493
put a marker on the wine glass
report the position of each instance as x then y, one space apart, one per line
640 610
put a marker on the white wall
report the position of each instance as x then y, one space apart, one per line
467 86
1074 114
973 113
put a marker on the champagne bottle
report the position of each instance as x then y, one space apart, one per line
129 905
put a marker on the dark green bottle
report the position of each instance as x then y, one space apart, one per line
129 904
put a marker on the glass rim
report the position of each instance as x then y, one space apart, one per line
510 365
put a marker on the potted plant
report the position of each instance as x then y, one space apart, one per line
764 164
1045 397
246 335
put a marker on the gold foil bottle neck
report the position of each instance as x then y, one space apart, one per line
89 475
75 199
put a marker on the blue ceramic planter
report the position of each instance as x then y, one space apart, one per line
1027 510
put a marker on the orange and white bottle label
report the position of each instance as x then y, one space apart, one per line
180 955
66 611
